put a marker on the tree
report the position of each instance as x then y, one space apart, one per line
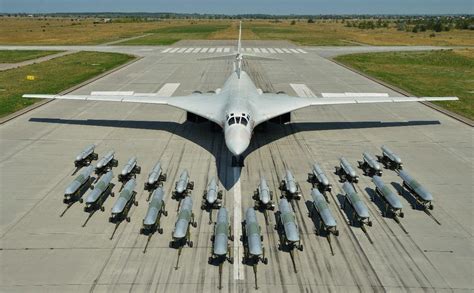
310 20
293 22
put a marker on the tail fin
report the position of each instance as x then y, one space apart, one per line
239 44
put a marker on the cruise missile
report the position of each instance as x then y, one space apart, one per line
324 213
106 163
346 172
212 196
124 203
287 221
76 189
185 220
358 206
85 157
390 198
252 242
99 193
289 187
183 186
420 193
318 179
156 208
369 165
263 196
155 178
390 159
220 241
130 170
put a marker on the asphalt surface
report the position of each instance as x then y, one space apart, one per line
43 252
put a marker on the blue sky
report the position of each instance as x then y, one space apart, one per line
245 6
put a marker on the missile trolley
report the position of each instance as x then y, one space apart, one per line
346 172
318 179
221 250
289 187
327 221
263 197
181 233
183 187
390 198
155 178
252 242
211 198
389 159
85 157
420 193
130 170
124 202
106 163
369 165
358 206
156 209
100 191
81 183
288 230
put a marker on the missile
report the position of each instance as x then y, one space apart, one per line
288 221
388 196
106 163
156 208
212 195
319 179
129 170
263 196
183 185
97 196
85 157
253 237
346 172
155 178
185 219
370 165
222 235
356 203
321 207
129 166
289 186
390 159
124 202
73 191
422 195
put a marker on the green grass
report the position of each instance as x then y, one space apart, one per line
15 56
428 73
170 35
52 77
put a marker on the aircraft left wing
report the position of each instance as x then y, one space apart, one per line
269 106
208 106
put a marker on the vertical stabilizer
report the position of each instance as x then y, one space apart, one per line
239 45
239 54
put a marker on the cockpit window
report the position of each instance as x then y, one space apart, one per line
244 121
231 121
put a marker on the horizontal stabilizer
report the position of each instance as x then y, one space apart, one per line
345 95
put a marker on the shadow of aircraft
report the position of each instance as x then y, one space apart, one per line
214 143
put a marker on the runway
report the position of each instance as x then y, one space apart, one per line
42 252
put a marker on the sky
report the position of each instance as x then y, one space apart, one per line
244 6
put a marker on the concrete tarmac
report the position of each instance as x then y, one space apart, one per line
43 252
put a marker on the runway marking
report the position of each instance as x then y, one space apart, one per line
302 90
302 51
256 50
181 50
238 248
168 89
248 50
211 50
278 50
294 51
226 50
286 50
166 50
196 50
204 50
219 50
271 51
189 50
174 50
264 50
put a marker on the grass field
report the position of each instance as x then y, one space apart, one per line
429 73
15 56
65 31
52 76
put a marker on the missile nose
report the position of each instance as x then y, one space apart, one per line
237 139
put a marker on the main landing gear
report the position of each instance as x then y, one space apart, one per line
237 161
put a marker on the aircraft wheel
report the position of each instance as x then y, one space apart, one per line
370 223
431 207
135 203
195 224
81 200
112 194
212 237
190 243
300 247
261 237
231 260
203 207
165 213
127 219
279 247
171 244
265 260
142 231
231 237
336 233
402 215
102 208
160 230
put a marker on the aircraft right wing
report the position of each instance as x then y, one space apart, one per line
269 106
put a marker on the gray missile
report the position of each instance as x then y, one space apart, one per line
124 202
183 185
185 219
422 195
220 246
86 156
356 203
129 166
390 159
155 178
253 237
289 186
74 188
369 165
212 195
129 170
346 172
106 163
288 220
263 196
318 178
96 197
390 198
321 207
156 208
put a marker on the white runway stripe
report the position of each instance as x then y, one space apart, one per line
174 50
196 50
226 50
189 50
302 51
271 50
181 50
168 89
294 51
166 50
248 50
302 90
264 50
286 50
278 50
219 50
256 50
211 50
204 50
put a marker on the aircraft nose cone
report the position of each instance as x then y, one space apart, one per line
237 139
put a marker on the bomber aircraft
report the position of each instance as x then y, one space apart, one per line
239 106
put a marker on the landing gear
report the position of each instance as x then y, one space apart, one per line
237 161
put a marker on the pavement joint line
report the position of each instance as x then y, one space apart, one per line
238 249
